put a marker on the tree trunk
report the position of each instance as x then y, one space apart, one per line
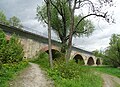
64 46
70 40
49 33
71 32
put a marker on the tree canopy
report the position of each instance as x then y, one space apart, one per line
60 21
67 24
14 21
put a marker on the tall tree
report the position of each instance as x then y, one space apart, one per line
60 21
112 54
14 21
3 18
49 31
94 9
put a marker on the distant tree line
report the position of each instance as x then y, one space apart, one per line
13 21
111 56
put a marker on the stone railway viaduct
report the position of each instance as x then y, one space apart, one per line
33 43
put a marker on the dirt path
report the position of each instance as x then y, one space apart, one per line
110 81
32 77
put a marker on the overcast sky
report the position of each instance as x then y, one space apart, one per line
25 10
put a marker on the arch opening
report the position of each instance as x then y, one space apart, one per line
55 53
90 61
79 59
98 61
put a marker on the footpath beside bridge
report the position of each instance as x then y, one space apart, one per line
33 43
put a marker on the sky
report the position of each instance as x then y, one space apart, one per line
25 10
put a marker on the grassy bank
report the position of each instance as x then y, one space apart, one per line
9 72
70 75
85 80
108 70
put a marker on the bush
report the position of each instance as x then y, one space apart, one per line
0 64
10 51
69 71
42 59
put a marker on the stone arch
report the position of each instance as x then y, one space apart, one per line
44 49
98 61
55 51
78 58
90 61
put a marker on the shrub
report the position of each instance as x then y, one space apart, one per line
69 71
15 50
10 51
42 59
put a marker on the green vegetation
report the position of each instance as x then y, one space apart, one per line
109 70
13 21
105 69
10 71
42 59
61 23
112 54
11 58
98 53
10 50
3 18
68 75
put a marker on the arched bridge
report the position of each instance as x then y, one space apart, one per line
33 43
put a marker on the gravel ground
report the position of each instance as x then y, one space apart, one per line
110 81
33 76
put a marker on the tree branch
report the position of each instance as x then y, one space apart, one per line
91 4
75 32
98 15
43 18
45 1
55 7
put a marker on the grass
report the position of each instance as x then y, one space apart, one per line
108 70
71 75
10 71
85 80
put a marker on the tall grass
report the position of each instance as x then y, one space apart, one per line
70 75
